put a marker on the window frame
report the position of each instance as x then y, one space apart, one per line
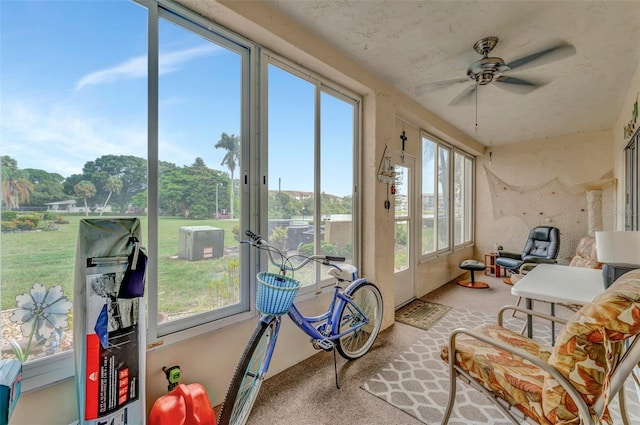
53 369
468 197
632 182
249 52
322 85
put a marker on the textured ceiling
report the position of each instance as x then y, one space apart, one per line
412 43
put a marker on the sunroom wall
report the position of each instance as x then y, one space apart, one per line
572 160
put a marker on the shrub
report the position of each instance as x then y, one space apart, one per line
26 225
9 215
306 249
198 212
325 247
278 237
236 234
48 225
34 219
8 225
328 248
51 215
61 221
346 251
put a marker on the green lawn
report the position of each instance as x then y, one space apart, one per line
48 258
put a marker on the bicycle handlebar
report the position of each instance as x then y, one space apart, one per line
285 264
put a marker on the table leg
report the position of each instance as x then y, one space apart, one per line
529 305
553 325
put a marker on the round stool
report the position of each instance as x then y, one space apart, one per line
472 266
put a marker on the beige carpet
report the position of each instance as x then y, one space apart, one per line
417 381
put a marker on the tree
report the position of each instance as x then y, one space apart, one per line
16 186
113 184
232 145
85 189
183 188
47 187
131 170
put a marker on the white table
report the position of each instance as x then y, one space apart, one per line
558 284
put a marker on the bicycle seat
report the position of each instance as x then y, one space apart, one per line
347 272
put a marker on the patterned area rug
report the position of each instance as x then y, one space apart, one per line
421 314
417 382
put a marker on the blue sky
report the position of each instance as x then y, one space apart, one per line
73 88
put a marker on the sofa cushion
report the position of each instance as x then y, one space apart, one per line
586 254
514 379
583 352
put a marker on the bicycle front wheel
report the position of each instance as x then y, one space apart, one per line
248 376
357 343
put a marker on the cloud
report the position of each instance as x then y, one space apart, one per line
62 140
137 67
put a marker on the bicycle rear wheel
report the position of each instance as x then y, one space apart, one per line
357 343
248 376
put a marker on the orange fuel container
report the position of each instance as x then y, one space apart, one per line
184 405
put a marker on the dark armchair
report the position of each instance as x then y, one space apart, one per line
542 246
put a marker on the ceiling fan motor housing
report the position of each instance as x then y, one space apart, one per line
485 69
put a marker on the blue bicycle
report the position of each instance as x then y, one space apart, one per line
350 325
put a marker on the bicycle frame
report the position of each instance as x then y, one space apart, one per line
327 320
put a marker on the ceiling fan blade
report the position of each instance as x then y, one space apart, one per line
464 95
517 85
435 85
548 55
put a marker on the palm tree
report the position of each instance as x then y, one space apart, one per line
113 184
16 188
232 146
85 189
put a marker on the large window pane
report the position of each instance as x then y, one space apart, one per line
462 190
443 200
458 198
428 233
310 149
468 201
447 216
292 129
73 131
336 175
402 218
200 96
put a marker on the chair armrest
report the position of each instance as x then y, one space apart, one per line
527 267
515 256
530 313
539 260
583 409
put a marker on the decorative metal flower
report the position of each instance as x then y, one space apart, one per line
41 313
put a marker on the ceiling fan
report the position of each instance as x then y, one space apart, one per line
488 70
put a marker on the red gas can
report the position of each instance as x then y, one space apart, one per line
185 405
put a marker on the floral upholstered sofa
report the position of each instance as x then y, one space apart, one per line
586 254
569 383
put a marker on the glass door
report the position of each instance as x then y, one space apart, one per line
404 261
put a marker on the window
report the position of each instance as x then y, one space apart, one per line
463 198
447 197
311 140
428 228
157 124
443 199
74 142
200 139
632 165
